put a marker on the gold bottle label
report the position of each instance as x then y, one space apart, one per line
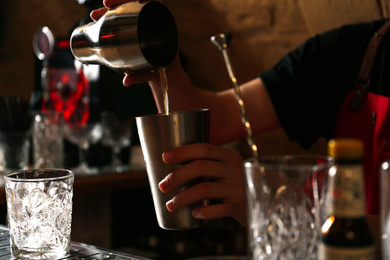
346 196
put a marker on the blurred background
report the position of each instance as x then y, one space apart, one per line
263 31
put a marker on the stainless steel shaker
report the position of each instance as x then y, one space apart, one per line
158 133
133 37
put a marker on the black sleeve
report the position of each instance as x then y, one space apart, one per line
308 85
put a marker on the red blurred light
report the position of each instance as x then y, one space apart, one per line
63 44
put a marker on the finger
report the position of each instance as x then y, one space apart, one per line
206 190
112 3
153 75
196 151
231 207
194 170
131 79
98 13
222 164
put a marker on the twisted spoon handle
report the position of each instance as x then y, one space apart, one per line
222 42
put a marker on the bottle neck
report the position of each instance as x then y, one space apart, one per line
346 196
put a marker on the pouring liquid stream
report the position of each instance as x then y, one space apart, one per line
164 88
244 118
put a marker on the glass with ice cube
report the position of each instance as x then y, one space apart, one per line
286 205
39 208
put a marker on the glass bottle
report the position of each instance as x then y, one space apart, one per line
346 233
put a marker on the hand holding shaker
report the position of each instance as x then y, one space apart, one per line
133 37
158 133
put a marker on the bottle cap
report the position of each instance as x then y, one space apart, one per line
345 149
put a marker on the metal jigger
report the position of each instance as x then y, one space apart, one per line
133 37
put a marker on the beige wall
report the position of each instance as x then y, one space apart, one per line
322 15
263 31
20 20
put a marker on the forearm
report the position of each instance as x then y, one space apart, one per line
226 125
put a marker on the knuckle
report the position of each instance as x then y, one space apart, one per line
205 168
175 202
170 179
205 149
205 189
235 155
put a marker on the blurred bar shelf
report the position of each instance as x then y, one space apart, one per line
103 182
106 181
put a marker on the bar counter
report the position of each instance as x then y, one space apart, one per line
93 203
94 214
77 251
114 212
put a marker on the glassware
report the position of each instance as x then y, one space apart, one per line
286 205
14 147
39 207
83 135
116 134
384 172
346 233
48 139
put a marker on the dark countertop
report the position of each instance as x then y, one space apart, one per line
77 251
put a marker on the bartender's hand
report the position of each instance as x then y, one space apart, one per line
177 78
96 14
223 165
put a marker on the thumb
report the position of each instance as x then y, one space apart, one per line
130 79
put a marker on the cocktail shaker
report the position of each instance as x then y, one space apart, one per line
133 37
158 133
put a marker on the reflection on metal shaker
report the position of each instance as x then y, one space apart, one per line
133 37
158 133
